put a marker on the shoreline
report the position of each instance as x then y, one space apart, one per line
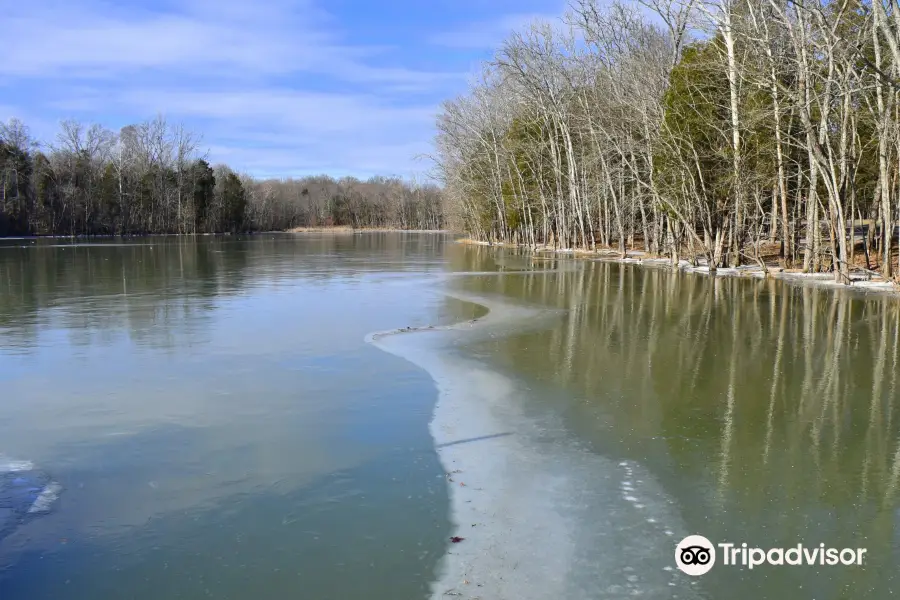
864 284
533 513
104 236
346 229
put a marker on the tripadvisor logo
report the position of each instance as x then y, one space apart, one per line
696 555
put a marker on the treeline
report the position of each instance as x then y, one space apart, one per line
725 132
152 178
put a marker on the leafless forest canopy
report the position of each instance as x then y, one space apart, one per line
152 178
723 132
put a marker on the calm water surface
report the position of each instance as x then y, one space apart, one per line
765 411
223 430
219 424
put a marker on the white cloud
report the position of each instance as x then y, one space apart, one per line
329 155
312 112
275 86
229 38
272 132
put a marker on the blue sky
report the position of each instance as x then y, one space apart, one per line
275 87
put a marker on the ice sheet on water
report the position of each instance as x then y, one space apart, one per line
44 502
8 465
24 491
551 519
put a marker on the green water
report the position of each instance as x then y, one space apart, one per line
766 411
223 430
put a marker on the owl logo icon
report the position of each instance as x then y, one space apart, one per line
695 555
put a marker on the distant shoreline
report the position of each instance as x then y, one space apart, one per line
342 229
347 229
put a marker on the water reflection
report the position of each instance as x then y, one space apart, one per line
159 291
766 409
216 393
216 418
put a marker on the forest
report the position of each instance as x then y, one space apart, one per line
723 132
153 178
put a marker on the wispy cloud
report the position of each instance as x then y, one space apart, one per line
312 113
93 40
270 131
327 156
279 86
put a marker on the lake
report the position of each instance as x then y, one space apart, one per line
225 425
